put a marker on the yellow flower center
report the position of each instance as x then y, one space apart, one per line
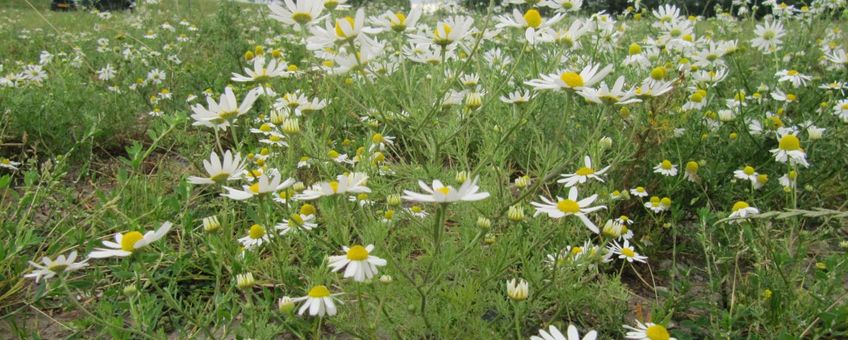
666 165
219 178
57 267
254 188
399 18
585 171
301 17
748 170
295 220
789 143
334 185
377 138
634 49
576 250
666 201
227 115
659 73
657 332
739 206
331 4
533 18
319 291
791 73
340 32
640 189
692 166
442 33
571 79
307 209
568 206
626 251
443 190
416 209
256 231
357 253
129 240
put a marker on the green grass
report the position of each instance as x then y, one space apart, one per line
95 164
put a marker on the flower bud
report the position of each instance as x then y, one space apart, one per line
515 213
461 177
605 142
393 200
130 290
285 305
484 223
522 182
245 281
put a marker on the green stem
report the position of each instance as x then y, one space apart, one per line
317 334
96 318
517 322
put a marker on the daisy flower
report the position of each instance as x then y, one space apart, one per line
571 334
128 243
263 185
639 192
318 301
361 265
747 173
348 183
796 78
606 95
564 6
296 222
841 110
220 171
517 289
769 36
417 211
666 168
741 210
570 80
397 21
439 193
262 73
256 236
452 30
219 114
570 206
380 142
789 149
691 173
583 174
789 181
301 13
625 252
6 163
518 97
342 30
51 268
656 205
647 331
531 19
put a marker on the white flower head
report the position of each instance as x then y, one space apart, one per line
128 243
